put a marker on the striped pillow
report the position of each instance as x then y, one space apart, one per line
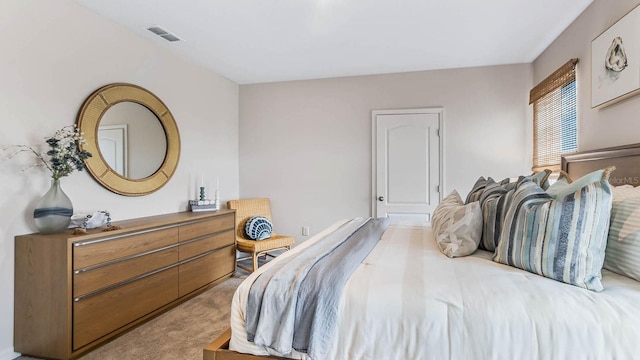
477 189
562 237
622 254
542 178
624 192
494 202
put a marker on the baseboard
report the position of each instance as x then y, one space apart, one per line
8 354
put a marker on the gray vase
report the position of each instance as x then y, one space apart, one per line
53 212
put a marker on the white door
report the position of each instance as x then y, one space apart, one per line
407 164
112 140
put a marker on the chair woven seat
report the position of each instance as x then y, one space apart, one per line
245 209
274 242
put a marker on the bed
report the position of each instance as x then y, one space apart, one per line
407 300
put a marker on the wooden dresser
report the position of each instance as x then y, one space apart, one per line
74 292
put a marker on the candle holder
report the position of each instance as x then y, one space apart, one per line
217 200
204 204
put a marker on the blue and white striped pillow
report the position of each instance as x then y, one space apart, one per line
622 254
477 189
561 236
494 202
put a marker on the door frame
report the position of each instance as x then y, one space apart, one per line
374 147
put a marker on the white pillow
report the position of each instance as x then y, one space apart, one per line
457 227
622 254
625 191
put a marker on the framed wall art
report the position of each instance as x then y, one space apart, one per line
615 61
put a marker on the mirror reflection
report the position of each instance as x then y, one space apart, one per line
132 140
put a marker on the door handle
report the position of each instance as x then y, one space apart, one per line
380 198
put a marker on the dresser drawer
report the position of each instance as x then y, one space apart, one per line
108 249
98 315
206 243
205 269
87 280
210 226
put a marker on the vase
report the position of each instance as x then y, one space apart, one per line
53 212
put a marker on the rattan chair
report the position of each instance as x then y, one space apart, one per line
246 208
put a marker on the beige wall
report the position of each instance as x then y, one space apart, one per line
307 144
54 54
616 124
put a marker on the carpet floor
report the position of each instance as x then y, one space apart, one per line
178 334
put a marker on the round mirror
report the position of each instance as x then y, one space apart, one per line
133 138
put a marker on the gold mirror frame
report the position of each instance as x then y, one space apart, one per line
89 119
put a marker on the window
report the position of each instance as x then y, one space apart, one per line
555 122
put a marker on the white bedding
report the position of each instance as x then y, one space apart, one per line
409 301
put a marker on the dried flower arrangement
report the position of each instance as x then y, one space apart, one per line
64 155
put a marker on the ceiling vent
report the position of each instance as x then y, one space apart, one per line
163 33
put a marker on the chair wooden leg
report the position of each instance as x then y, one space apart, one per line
254 258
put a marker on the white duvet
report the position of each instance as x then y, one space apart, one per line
409 301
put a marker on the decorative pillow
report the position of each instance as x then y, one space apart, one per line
494 202
258 228
622 254
542 178
561 236
623 192
561 181
456 226
480 185
566 186
476 190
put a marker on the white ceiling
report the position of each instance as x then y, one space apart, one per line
255 41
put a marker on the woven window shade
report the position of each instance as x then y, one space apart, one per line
554 117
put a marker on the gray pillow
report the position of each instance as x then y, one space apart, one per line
477 189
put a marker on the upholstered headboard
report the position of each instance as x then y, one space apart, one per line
625 158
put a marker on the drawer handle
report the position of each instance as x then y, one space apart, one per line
201 255
122 283
93 267
209 235
89 242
